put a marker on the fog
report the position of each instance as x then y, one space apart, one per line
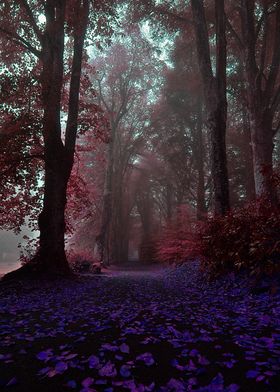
9 251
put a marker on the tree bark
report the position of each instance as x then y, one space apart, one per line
248 155
215 97
261 78
103 238
199 155
262 147
59 157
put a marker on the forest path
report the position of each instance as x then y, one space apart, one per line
168 330
134 268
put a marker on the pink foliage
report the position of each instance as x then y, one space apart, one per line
177 243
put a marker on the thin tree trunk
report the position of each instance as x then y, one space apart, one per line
169 201
200 199
248 156
102 239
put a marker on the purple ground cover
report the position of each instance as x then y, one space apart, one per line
171 331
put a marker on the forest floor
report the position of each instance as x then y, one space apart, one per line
145 330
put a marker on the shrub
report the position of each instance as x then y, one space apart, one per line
82 262
177 243
246 238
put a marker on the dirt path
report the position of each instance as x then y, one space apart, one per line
139 330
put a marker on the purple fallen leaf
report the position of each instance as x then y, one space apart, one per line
250 358
60 367
44 355
176 364
252 374
70 356
101 382
93 361
109 347
233 388
218 380
71 384
150 387
175 385
192 381
191 366
87 382
269 373
174 331
88 390
124 348
13 381
202 360
52 373
108 370
125 371
194 352
147 358
44 371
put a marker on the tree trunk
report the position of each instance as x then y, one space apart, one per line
248 155
51 255
102 239
262 147
215 97
217 127
199 155
262 92
59 158
169 201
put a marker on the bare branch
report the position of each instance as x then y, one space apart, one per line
31 19
21 41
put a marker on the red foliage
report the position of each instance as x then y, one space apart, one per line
246 238
177 243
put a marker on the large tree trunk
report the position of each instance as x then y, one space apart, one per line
59 157
51 255
215 97
262 147
262 91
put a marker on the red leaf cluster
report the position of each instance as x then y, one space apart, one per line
178 242
247 238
